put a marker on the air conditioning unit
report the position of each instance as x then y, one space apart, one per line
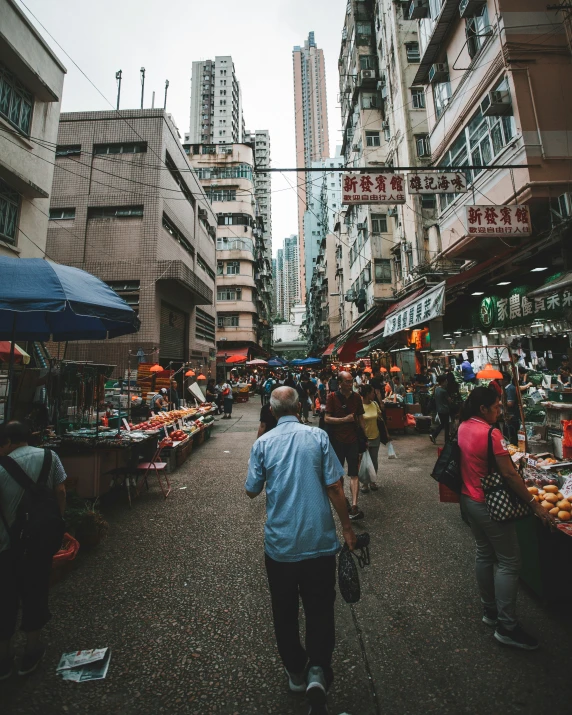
350 296
367 76
470 8
384 92
385 125
356 148
439 73
418 9
362 226
496 104
392 211
407 246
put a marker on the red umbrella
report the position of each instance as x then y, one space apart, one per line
235 359
19 354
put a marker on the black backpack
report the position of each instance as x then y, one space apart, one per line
39 527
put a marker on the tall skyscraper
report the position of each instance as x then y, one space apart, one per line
291 274
279 283
311 119
216 103
262 184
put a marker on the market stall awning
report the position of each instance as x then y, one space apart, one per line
329 350
362 323
20 356
363 352
396 306
416 311
347 352
553 285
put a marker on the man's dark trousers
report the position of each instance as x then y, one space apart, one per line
314 580
444 421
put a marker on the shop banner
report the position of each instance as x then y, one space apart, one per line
373 189
436 183
511 220
423 309
517 308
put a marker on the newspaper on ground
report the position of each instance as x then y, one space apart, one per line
83 665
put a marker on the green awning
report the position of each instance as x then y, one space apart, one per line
364 352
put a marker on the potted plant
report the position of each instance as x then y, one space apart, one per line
87 524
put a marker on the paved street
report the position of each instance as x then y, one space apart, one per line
178 592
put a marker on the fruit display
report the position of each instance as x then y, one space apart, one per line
551 499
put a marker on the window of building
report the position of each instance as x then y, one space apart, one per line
221 194
367 62
170 227
178 177
68 150
422 145
203 264
220 268
378 223
235 220
128 290
208 149
235 244
372 139
417 98
204 326
386 131
370 100
61 214
232 268
412 52
441 97
477 30
363 28
114 212
16 102
428 201
9 207
227 321
226 294
121 148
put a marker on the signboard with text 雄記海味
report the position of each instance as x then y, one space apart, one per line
436 183
373 189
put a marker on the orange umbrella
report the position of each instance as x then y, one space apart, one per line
383 369
235 359
201 377
190 373
156 368
489 373
395 369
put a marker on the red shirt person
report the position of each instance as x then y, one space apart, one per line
344 414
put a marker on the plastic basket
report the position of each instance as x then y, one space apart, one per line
68 552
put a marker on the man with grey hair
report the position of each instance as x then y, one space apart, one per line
301 473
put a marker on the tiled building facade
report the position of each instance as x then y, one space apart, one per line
127 207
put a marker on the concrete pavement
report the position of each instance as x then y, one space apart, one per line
178 592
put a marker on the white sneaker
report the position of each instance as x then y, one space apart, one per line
296 681
316 690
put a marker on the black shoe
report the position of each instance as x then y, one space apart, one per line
356 513
6 667
518 638
30 661
432 439
316 691
490 616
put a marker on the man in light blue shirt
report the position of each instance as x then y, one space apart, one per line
301 473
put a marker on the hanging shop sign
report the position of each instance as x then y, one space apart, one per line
435 183
427 306
511 220
373 189
518 309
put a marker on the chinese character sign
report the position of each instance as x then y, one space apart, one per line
428 306
511 220
373 189
436 183
520 309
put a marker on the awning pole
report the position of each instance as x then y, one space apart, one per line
11 372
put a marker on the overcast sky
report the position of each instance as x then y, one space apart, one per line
166 36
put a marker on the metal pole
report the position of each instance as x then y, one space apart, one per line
153 100
128 388
142 72
8 413
118 78
166 88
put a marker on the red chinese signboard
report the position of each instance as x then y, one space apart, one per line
373 189
511 220
436 183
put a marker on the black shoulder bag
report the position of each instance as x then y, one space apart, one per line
447 469
38 529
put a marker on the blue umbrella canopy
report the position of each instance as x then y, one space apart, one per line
39 300
277 362
306 361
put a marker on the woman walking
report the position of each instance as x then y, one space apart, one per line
227 400
496 541
372 413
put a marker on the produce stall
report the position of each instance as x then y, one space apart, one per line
95 459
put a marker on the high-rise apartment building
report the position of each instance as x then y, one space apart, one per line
279 284
291 273
154 246
243 282
311 119
260 139
216 103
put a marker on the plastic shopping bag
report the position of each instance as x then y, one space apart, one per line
366 472
391 451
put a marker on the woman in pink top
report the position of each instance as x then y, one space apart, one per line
496 541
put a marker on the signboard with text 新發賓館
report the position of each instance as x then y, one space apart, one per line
513 220
373 188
